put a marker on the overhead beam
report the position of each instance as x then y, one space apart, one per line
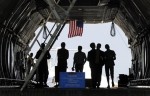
52 8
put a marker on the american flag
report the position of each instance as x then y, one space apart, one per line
75 28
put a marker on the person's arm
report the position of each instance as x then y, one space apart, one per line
58 53
87 57
84 58
67 54
73 62
73 67
114 58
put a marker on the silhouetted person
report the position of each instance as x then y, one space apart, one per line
79 60
110 56
99 63
63 55
20 64
43 66
30 62
91 58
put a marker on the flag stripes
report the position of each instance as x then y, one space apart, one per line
75 28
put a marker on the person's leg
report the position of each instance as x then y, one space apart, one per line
37 76
77 69
107 75
28 69
99 78
112 75
21 72
64 69
97 75
81 68
59 70
40 77
57 76
94 77
46 77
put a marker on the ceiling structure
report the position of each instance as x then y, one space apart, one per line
22 18
19 20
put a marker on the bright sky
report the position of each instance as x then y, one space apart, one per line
97 33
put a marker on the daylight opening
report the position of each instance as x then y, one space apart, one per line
97 33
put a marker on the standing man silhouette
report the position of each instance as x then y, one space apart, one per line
63 55
91 58
43 67
30 62
99 63
110 56
79 60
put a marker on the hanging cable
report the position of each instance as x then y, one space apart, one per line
112 31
